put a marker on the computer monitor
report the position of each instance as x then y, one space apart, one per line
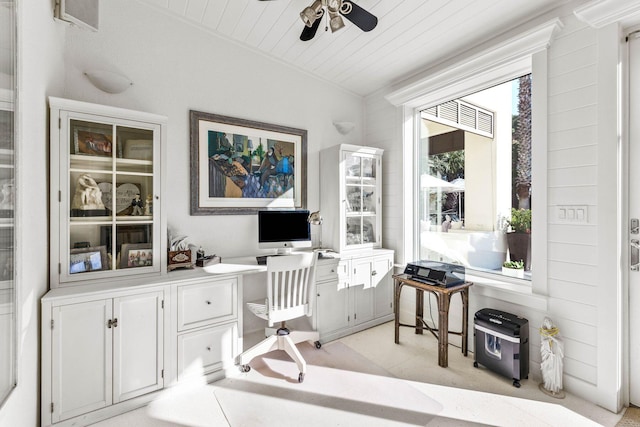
283 230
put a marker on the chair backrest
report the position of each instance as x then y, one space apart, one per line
290 279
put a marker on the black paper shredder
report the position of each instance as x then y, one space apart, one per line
502 343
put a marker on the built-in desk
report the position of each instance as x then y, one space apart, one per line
109 347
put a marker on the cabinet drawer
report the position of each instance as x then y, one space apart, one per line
206 303
207 350
327 272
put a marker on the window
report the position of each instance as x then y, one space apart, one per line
474 174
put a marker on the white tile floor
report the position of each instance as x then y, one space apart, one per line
463 394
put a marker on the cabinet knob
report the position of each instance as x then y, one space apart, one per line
208 302
373 273
208 348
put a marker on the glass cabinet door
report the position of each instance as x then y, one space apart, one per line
110 198
361 199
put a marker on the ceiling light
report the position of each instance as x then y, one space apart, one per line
311 13
336 11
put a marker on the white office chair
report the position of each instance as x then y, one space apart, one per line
289 295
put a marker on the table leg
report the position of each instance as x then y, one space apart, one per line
396 309
419 311
465 320
443 329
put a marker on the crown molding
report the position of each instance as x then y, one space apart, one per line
514 52
600 13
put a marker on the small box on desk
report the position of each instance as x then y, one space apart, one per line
179 259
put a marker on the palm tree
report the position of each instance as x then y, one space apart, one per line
523 137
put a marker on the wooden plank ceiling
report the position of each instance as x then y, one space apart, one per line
411 34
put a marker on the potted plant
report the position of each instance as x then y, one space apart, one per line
513 269
519 236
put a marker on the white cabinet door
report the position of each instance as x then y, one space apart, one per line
383 283
332 308
361 304
384 297
361 272
7 349
80 358
137 345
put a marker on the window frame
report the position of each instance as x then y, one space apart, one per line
515 55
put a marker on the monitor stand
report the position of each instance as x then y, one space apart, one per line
284 251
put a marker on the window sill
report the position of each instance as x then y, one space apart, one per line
512 290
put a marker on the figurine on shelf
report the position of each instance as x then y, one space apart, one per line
148 205
88 195
137 204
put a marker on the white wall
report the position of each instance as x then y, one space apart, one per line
40 74
582 169
176 67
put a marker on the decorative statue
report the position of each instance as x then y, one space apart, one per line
7 190
446 224
147 205
551 353
88 195
137 204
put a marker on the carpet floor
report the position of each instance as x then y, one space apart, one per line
363 380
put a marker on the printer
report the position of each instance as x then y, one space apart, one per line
435 273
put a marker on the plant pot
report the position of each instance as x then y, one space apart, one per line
513 272
520 248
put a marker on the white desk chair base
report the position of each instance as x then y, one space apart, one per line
286 342
289 281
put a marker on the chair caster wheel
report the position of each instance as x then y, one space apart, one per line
516 383
318 344
245 368
475 364
300 377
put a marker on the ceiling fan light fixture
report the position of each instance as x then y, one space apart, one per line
310 14
335 21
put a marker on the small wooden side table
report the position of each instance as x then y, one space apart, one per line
443 297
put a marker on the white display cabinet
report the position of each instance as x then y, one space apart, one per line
351 197
106 206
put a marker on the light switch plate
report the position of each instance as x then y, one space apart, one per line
574 214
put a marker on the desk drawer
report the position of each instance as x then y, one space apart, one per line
327 272
207 350
205 303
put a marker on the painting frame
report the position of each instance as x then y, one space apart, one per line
247 135
83 136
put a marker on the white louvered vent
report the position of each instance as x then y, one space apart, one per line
83 13
485 122
462 115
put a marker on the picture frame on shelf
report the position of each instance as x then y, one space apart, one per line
83 260
133 255
240 166
92 142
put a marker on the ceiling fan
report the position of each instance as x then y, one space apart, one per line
335 10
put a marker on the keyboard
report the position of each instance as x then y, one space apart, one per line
262 259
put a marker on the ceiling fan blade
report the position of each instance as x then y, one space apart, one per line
309 32
360 17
